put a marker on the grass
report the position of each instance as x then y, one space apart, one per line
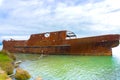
4 58
6 62
7 55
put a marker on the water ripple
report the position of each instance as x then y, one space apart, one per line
73 68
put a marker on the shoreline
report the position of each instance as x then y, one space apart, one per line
9 67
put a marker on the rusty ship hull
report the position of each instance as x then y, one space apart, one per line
64 42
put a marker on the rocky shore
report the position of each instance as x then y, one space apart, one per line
8 64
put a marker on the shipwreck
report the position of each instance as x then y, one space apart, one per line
65 43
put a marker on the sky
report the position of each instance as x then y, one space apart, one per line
21 18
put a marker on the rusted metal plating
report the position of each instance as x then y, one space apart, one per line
63 42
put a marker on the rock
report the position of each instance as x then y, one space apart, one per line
21 74
16 64
38 78
8 67
11 75
4 76
9 79
1 71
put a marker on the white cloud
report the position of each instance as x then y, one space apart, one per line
15 37
1 2
113 3
34 16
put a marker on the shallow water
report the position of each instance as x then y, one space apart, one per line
63 67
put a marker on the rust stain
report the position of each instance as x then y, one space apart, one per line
64 42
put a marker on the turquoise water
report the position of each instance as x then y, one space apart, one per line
64 67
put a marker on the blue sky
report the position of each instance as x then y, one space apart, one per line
20 18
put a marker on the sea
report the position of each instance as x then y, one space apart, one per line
69 67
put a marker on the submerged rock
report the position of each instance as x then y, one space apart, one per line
38 78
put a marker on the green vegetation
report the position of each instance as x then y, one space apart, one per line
7 67
7 54
6 62
4 58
